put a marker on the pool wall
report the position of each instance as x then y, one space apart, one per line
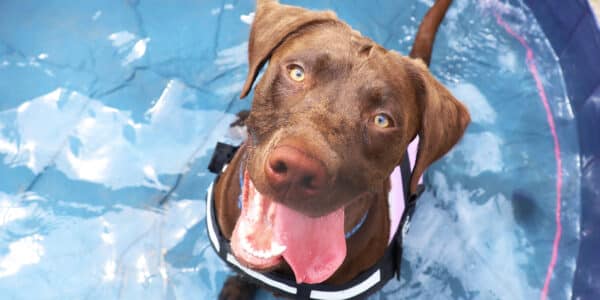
574 33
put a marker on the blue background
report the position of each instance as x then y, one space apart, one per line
110 108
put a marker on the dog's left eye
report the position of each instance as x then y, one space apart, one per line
382 121
296 73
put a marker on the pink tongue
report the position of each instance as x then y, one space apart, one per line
315 247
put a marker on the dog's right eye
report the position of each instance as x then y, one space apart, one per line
296 73
382 120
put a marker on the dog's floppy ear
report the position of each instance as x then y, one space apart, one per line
443 119
273 22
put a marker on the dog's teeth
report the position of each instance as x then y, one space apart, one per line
277 249
262 253
246 245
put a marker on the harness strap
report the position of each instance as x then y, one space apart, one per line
222 156
361 286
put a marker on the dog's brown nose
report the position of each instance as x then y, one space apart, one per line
290 170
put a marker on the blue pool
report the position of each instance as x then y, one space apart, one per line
109 111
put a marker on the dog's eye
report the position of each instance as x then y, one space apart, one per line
382 121
296 73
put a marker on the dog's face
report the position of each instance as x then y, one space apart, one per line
331 118
341 100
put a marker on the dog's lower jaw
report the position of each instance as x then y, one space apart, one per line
258 252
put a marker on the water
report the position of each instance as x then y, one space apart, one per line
107 108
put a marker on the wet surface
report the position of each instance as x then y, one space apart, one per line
110 108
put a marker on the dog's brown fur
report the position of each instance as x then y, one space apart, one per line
328 116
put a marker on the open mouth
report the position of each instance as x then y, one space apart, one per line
268 232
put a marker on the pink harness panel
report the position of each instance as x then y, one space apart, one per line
396 195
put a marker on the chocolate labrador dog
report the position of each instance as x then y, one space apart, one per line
331 118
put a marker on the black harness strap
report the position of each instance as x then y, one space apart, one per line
360 287
222 155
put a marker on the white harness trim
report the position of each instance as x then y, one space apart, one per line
264 279
350 292
209 220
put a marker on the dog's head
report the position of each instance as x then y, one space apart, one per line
332 117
